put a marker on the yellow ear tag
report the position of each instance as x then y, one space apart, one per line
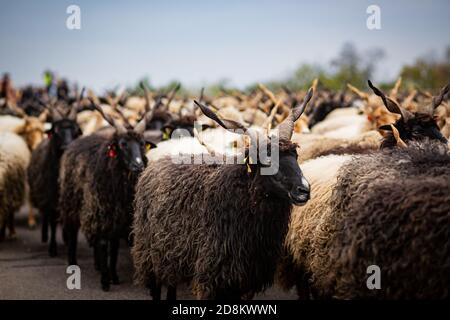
247 161
166 134
148 146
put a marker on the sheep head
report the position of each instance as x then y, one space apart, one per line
274 164
128 145
32 130
412 126
64 127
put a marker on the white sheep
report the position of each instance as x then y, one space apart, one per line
14 159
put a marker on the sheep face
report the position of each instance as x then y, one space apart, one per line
419 127
288 182
411 125
63 132
129 148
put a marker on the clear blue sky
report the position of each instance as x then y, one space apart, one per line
203 41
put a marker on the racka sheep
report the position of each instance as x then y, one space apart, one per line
97 179
390 209
411 125
219 227
44 168
386 194
14 158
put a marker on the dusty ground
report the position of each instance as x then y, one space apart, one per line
27 272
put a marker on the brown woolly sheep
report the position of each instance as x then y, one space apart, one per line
390 209
219 227
97 180
307 222
307 225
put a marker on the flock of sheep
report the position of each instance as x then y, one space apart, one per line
363 179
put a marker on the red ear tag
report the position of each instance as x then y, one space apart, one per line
112 151
49 135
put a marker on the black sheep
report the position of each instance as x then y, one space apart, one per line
44 167
412 126
97 179
218 227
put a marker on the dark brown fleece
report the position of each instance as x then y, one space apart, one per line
391 209
209 225
96 191
43 176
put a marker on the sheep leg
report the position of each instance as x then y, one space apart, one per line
2 232
44 233
114 252
96 258
102 250
52 250
11 227
171 293
31 217
228 294
72 240
65 236
302 286
154 288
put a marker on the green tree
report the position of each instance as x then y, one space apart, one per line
428 73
